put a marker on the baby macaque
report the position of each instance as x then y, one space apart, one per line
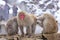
48 23
27 20
12 26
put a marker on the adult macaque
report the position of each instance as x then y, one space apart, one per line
27 20
12 26
48 23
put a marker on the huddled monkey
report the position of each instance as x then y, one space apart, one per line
12 26
27 20
48 23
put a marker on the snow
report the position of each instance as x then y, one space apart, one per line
2 2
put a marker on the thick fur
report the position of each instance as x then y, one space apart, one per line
48 23
12 26
50 36
29 22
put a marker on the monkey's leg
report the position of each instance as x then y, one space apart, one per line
28 31
21 28
33 28
43 37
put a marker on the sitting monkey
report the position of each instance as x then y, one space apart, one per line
12 26
48 23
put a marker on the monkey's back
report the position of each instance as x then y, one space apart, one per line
50 23
12 26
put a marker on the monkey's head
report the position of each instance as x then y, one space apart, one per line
21 15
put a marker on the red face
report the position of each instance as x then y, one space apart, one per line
22 16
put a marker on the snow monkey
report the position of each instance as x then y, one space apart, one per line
27 20
48 23
12 26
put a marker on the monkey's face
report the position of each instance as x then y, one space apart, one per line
21 16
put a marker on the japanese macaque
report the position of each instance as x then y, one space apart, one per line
27 20
48 23
12 26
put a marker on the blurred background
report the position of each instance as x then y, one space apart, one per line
10 8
